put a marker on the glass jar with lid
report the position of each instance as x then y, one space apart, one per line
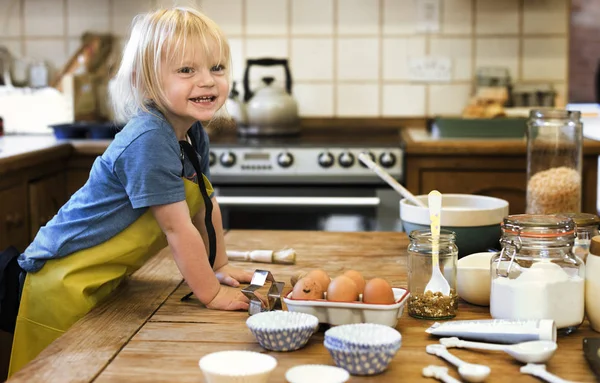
426 304
536 275
586 227
554 158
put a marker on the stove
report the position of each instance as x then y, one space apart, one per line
309 158
312 181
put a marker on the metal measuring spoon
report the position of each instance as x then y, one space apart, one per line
468 371
539 370
535 351
439 373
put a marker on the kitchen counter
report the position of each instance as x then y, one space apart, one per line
144 333
20 151
419 142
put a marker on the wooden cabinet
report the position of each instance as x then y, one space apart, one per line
496 176
46 196
14 222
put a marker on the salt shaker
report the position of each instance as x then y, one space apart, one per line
554 158
592 284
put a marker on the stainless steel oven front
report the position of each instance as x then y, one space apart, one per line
309 207
306 188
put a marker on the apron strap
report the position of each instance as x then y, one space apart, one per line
190 152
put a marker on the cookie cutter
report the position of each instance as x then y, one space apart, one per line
259 279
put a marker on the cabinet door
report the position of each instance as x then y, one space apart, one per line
46 196
14 229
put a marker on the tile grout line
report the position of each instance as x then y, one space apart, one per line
380 82
473 46
335 58
521 46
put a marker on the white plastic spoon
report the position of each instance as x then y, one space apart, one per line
539 370
468 371
437 283
535 351
389 179
438 372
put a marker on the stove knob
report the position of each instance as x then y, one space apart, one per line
326 160
285 160
372 159
387 159
346 159
212 158
228 159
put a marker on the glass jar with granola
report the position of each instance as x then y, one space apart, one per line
554 158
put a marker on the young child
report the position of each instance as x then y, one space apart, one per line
150 188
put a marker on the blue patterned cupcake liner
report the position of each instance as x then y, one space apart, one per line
362 362
282 330
363 336
336 343
283 340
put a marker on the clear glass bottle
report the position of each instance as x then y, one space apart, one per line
425 304
554 158
536 275
586 227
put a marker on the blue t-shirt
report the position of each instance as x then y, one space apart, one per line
142 167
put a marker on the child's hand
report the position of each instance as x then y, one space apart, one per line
229 299
232 276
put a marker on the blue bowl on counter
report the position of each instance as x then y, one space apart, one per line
84 129
474 218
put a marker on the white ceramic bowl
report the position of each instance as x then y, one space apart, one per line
237 367
474 218
473 278
311 373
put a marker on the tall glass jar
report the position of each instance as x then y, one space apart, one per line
554 157
536 275
426 304
586 227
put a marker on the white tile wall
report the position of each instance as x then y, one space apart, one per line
92 16
348 57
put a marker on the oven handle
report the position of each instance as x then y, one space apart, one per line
298 201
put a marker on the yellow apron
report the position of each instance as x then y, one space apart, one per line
65 289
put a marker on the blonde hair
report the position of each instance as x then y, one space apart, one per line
165 33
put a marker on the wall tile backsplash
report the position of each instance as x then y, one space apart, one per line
348 58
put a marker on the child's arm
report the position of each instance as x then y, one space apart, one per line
191 258
226 273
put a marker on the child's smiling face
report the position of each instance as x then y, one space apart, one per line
195 85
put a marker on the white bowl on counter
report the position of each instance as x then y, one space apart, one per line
237 367
474 218
473 278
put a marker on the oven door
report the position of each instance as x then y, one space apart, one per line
334 208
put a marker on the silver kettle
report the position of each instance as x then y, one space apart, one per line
270 110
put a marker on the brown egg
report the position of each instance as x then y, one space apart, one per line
307 288
342 289
357 278
320 276
378 290
297 276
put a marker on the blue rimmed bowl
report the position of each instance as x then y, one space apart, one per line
282 330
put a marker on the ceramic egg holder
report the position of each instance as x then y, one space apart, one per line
259 279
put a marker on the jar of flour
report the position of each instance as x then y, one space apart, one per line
536 275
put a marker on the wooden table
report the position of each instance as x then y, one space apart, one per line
143 333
